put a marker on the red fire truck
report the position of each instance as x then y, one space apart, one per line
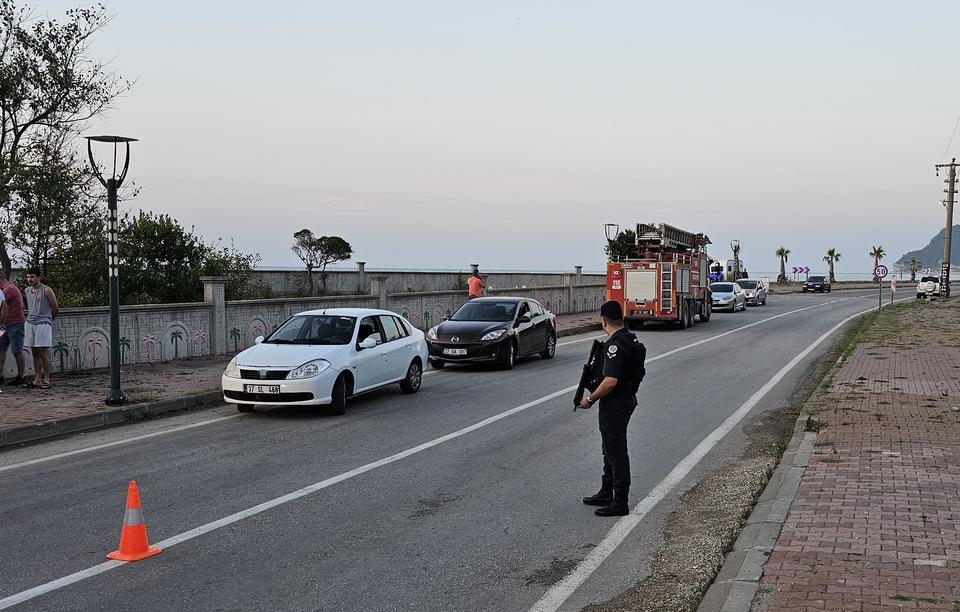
665 276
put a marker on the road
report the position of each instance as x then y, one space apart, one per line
465 496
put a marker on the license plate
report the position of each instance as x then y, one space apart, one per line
261 388
455 352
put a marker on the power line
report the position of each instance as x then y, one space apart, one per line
947 150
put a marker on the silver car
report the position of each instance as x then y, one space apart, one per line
754 290
728 296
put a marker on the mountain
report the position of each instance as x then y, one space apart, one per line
932 254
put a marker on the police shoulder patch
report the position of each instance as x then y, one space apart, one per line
612 350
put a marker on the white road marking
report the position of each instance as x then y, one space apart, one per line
115 443
430 372
558 594
620 530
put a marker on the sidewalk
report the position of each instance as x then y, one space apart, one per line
875 524
150 387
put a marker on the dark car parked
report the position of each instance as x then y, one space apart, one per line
816 283
494 329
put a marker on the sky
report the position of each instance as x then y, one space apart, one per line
439 134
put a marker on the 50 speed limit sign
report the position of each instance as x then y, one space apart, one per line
881 271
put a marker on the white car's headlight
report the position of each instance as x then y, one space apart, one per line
495 334
232 370
309 369
432 333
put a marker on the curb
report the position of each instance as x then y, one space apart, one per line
34 432
580 329
736 585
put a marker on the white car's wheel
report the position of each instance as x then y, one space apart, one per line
411 384
338 404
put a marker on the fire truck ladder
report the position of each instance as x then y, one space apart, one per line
666 287
666 236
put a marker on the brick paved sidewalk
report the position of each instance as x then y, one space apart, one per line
84 392
875 524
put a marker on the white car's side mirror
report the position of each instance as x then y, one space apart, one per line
368 343
258 340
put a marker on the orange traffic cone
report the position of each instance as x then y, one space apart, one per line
133 537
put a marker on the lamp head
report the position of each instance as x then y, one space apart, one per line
612 230
115 140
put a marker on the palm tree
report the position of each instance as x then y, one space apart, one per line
831 257
877 253
783 253
124 345
175 337
60 350
914 265
235 335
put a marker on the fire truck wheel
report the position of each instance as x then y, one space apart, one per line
684 321
692 313
705 311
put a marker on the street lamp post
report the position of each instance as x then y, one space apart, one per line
735 246
116 395
612 230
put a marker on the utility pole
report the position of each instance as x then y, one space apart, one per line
735 246
951 190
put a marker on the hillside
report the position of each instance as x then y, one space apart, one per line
932 254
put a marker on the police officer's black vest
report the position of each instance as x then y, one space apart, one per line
635 367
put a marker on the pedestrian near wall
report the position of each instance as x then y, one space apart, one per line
475 285
622 371
12 323
42 309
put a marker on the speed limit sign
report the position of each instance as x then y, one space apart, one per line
881 271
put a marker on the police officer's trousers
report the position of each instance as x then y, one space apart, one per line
615 413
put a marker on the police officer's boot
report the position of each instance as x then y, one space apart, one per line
617 507
602 498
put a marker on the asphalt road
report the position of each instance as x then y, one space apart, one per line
488 518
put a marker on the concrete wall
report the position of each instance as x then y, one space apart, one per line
351 282
162 332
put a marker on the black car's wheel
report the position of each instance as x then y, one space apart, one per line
829 289
437 365
551 349
244 407
508 355
338 404
411 384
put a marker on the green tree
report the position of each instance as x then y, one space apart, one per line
623 246
160 260
831 258
319 252
50 87
877 253
784 254
60 351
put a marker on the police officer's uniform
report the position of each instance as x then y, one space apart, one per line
616 408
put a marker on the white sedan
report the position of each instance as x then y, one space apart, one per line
322 357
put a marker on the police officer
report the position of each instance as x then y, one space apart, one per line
618 398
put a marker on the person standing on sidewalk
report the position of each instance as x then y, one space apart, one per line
475 285
622 371
42 309
12 322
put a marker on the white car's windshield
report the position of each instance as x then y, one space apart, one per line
485 311
747 284
314 329
722 287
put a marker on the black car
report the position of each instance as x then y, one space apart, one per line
816 283
494 329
